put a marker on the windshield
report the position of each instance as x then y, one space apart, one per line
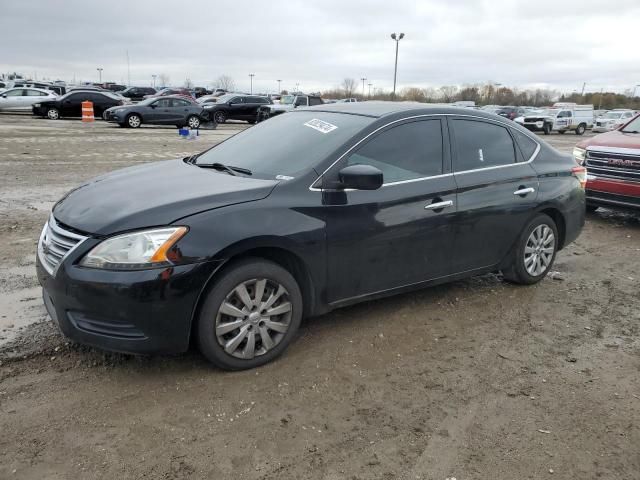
286 144
148 101
633 126
206 99
287 99
614 115
225 98
549 112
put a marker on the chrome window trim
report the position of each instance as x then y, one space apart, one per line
507 125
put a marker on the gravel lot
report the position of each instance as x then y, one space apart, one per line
475 380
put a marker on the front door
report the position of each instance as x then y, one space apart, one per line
497 191
400 234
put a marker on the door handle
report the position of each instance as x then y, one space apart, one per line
439 205
524 191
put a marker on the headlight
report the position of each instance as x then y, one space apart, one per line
579 155
145 249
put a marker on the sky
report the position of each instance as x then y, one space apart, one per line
316 44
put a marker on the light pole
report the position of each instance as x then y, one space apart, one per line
634 91
369 89
99 74
584 84
363 79
279 88
251 75
397 39
154 80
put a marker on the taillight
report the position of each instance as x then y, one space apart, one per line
581 174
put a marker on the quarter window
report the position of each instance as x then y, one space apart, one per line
526 144
481 145
408 151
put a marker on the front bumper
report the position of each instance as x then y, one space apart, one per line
144 311
603 191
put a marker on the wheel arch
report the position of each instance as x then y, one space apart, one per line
280 255
561 224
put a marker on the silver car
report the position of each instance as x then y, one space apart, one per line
22 98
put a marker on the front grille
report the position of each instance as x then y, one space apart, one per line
614 165
55 244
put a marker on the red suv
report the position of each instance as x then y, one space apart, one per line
613 167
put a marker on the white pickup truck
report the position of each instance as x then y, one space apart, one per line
561 118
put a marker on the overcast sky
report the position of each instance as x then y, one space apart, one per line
524 43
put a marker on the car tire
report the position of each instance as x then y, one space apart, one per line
534 243
248 337
134 120
53 113
546 129
220 117
193 121
251 122
580 129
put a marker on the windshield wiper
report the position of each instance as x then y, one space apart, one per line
230 169
191 159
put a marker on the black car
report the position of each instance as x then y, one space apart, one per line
135 94
232 247
236 107
157 111
70 104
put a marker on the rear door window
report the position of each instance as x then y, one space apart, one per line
481 144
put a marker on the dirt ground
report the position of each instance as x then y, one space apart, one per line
475 380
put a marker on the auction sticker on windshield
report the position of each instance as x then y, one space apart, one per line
320 125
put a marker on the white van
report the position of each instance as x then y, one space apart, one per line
561 118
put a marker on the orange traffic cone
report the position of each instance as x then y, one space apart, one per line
87 111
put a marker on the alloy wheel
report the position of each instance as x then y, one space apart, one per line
220 117
134 121
538 252
253 318
193 122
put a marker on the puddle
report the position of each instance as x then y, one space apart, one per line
19 309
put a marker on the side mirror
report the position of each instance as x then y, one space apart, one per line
4 95
360 177
153 105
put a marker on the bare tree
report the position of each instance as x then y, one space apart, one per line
348 86
226 83
448 93
413 94
188 83
163 80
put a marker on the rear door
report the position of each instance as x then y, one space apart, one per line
179 110
496 191
392 237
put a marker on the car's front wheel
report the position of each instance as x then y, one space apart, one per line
134 121
250 315
534 253
220 117
581 129
53 113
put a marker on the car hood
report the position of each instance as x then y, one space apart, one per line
153 194
615 139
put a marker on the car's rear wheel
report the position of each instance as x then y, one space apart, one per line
534 253
220 117
53 113
581 129
193 121
250 315
134 120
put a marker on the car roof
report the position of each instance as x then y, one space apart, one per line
378 109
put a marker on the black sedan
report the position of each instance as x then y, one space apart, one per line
70 105
135 94
236 107
232 247
157 111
